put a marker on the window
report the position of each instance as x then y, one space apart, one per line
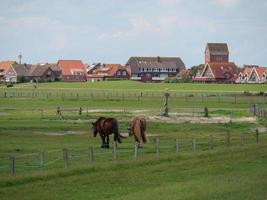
124 73
118 73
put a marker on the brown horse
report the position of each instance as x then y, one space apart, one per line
138 128
105 127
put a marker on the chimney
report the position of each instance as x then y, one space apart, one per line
158 59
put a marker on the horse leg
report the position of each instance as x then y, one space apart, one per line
103 141
107 144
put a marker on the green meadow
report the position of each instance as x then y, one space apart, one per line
226 162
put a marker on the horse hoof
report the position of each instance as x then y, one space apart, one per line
103 146
107 146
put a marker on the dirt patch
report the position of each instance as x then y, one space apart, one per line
201 120
62 133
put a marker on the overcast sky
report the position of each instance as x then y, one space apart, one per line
111 31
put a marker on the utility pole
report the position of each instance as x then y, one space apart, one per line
20 57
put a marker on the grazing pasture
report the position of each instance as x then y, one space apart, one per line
218 158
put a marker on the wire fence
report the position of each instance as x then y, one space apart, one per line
219 97
72 157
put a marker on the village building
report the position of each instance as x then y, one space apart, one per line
72 70
103 72
216 52
4 66
44 73
217 67
154 69
252 74
27 72
218 73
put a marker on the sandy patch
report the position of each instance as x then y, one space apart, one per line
201 120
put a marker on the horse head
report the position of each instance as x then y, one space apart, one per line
94 128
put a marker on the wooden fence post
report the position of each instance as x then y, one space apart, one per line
136 151
211 142
228 138
13 165
157 146
42 114
91 154
242 139
257 136
66 158
114 152
194 144
177 145
42 161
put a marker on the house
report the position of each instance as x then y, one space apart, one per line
216 52
252 74
148 69
218 72
27 72
72 70
108 71
4 65
44 72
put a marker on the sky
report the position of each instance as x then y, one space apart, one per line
111 31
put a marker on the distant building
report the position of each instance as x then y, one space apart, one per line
4 66
27 72
252 74
216 52
217 67
72 70
108 71
218 72
148 69
44 72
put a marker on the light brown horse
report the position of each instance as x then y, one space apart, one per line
138 128
105 127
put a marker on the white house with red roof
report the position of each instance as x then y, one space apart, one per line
252 74
218 72
72 70
4 76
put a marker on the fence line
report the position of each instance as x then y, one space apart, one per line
194 144
220 97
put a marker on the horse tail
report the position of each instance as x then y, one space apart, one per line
117 136
143 129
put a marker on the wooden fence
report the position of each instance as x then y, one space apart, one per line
136 95
258 111
43 161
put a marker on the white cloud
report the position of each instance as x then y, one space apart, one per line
227 3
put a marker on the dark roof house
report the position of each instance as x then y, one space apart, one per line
158 68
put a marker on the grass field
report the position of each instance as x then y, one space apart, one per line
135 85
216 170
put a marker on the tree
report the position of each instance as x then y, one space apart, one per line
196 68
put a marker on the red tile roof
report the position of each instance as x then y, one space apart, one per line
226 71
221 69
107 70
4 65
70 67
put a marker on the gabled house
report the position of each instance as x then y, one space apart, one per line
154 69
218 72
4 66
216 52
252 74
72 70
44 72
19 72
108 71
